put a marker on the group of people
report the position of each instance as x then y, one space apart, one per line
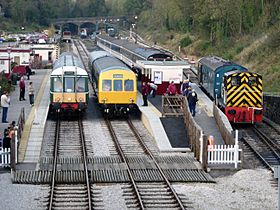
8 134
186 91
5 98
22 91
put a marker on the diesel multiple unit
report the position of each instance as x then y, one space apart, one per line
68 84
116 84
237 91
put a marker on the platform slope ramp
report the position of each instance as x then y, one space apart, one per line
30 145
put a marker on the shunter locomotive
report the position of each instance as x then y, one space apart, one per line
237 91
69 84
116 84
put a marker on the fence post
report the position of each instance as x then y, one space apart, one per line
201 146
13 154
205 153
16 143
236 153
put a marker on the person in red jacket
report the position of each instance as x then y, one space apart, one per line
21 89
145 93
172 90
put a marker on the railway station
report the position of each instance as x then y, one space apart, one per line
88 134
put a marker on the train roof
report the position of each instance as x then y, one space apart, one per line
215 62
145 52
68 59
98 54
107 63
68 62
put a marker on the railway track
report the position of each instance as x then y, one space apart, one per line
143 195
263 144
69 196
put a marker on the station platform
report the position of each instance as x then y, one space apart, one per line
173 136
32 113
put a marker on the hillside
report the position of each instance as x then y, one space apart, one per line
258 53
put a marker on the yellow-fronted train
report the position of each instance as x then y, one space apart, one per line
116 84
238 92
68 84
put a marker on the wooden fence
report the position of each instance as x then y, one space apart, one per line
197 140
224 154
173 105
5 157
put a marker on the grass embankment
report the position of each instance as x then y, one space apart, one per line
259 53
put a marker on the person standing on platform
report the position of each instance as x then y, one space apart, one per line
6 139
28 72
21 89
31 93
153 89
145 93
5 103
172 90
185 88
192 99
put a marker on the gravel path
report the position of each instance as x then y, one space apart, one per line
15 196
246 189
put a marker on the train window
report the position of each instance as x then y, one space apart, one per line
106 85
80 84
69 84
128 85
57 84
236 81
117 85
252 81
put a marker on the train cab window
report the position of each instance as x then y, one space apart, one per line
128 85
80 84
106 85
69 84
252 81
57 84
117 85
236 81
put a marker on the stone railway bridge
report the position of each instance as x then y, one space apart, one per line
93 22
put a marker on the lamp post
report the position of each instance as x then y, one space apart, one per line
135 28
9 50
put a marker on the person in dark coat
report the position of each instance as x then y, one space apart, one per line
21 89
6 139
145 93
192 99
185 88
28 72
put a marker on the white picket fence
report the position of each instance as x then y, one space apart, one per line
5 157
224 154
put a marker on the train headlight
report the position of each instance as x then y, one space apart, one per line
232 111
104 100
69 99
81 99
57 99
131 100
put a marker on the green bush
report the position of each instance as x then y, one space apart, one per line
5 85
186 41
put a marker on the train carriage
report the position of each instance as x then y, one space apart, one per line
69 84
237 91
116 84
131 52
